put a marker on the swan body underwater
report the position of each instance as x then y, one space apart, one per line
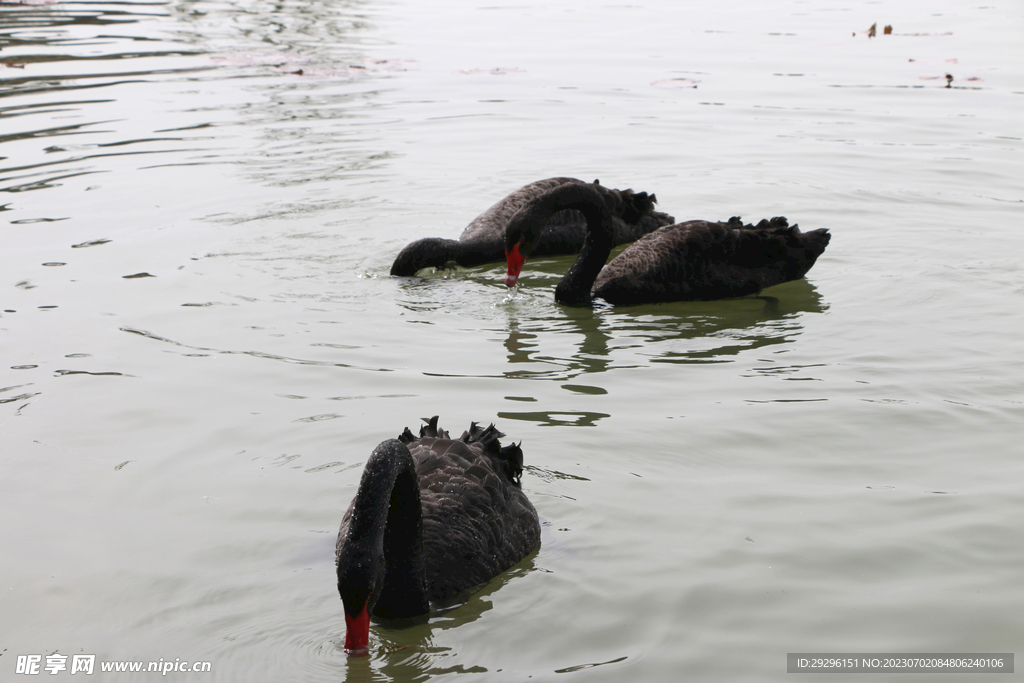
690 261
432 518
483 240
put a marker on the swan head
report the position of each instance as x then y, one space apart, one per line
521 235
430 252
525 228
360 578
515 259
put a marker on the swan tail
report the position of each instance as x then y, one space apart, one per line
486 438
634 213
625 204
779 222
509 458
630 206
777 242
813 245
512 456
428 430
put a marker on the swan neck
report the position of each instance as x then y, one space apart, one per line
386 530
574 289
380 476
430 252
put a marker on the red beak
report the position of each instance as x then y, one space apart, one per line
515 265
357 632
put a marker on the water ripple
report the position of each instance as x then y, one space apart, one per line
254 354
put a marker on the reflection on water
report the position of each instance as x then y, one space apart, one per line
550 474
408 652
54 83
557 418
77 82
590 665
253 353
683 332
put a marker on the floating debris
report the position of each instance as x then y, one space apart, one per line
872 32
305 65
675 83
496 71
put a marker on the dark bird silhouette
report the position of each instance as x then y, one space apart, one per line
483 240
695 260
433 517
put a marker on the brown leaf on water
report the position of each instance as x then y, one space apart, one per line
871 31
888 29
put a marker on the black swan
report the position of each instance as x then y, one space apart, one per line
691 261
483 240
433 517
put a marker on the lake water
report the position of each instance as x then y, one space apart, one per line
201 343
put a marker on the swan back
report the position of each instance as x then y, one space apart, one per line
703 260
477 521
